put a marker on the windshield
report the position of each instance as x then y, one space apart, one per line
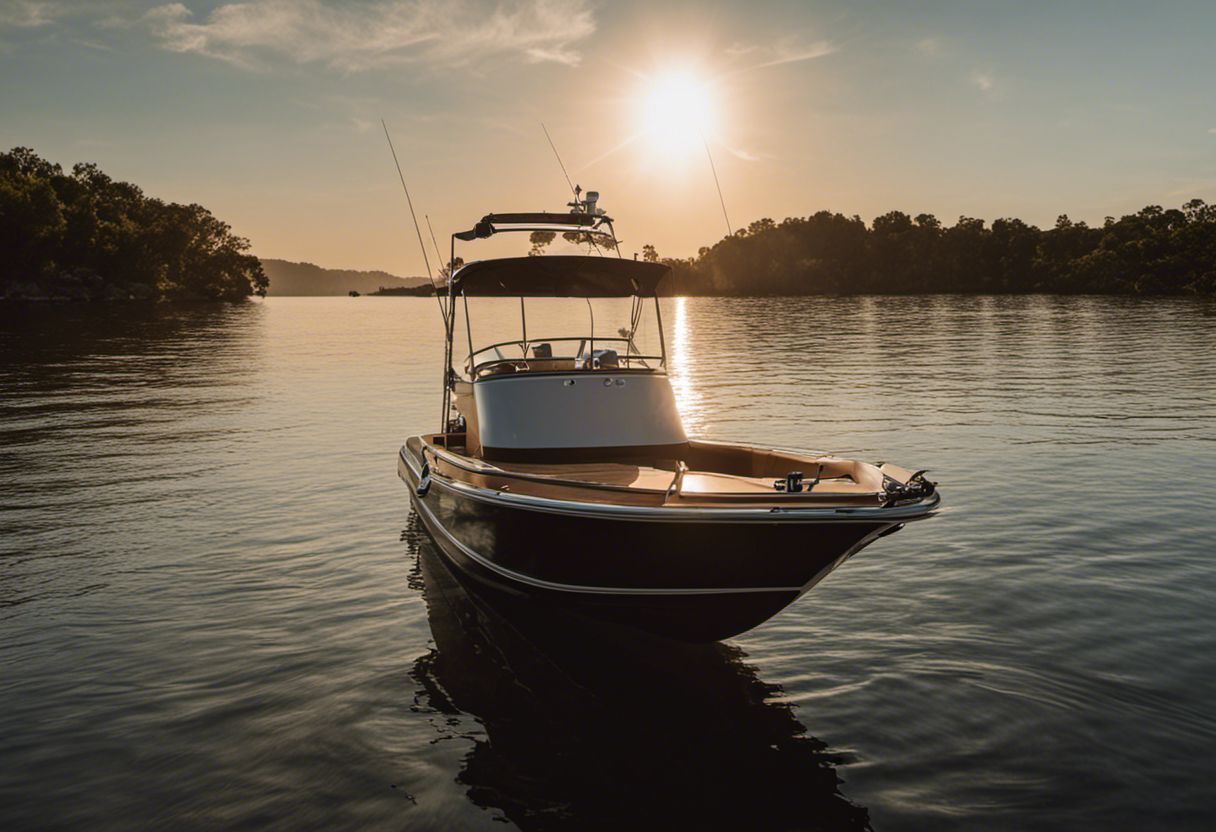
551 334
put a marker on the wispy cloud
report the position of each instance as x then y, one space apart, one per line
353 38
1212 129
93 44
984 81
1193 187
929 47
559 55
787 50
28 14
745 154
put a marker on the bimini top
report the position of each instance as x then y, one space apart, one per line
559 275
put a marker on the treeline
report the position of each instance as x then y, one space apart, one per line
82 235
422 290
1152 252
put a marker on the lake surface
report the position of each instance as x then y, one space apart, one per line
216 610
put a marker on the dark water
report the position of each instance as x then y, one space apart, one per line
216 610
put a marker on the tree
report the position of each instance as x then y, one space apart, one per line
86 235
445 271
1155 251
539 240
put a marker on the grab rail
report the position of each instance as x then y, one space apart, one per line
475 368
677 481
523 344
424 473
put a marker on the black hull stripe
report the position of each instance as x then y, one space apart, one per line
528 580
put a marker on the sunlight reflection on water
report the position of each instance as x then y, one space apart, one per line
682 366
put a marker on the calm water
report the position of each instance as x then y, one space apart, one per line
216 610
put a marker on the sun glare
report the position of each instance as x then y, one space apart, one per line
677 114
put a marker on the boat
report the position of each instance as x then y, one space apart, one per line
562 473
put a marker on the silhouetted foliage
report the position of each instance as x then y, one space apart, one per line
85 236
445 271
540 239
1154 251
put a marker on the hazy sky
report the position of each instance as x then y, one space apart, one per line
267 111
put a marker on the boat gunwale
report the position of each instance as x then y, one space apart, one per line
681 514
457 460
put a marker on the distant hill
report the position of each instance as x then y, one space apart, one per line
288 278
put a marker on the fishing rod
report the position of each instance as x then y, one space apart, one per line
574 189
418 229
558 156
438 256
729 231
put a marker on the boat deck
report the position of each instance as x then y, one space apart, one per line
661 478
709 473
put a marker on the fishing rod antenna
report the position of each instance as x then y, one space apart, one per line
438 256
417 228
721 199
578 204
573 188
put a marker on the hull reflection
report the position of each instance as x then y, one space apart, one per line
586 728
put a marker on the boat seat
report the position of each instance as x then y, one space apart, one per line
702 482
602 473
550 365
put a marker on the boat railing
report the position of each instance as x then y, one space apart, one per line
677 482
497 358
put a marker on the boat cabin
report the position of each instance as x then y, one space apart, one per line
572 394
578 393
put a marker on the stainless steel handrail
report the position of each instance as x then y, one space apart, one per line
521 343
677 481
474 368
626 364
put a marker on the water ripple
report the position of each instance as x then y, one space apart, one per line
210 614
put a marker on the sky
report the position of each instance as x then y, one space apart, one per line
268 112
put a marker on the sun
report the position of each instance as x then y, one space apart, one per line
676 113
